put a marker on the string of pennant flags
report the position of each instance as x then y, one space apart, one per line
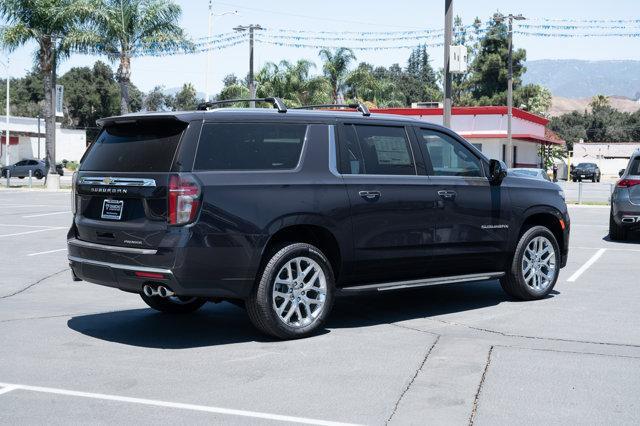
390 40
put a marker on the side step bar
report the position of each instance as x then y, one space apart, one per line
398 285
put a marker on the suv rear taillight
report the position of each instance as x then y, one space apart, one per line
628 183
184 199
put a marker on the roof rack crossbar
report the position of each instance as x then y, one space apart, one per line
276 102
357 106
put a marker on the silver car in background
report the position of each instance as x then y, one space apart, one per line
625 201
529 173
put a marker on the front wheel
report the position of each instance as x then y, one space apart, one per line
534 270
173 304
295 293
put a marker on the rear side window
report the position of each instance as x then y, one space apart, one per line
634 167
147 146
250 146
376 150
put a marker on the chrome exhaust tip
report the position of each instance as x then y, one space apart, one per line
164 291
149 291
630 219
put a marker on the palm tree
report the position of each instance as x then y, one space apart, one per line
336 67
126 28
292 83
57 27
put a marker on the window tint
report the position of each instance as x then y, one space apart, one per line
33 163
250 146
448 156
376 150
135 147
634 167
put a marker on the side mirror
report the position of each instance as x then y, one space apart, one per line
497 172
621 172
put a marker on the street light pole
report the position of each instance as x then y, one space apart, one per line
7 133
448 28
209 52
252 84
498 17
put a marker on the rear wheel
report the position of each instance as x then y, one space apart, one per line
295 293
173 304
535 267
616 232
37 174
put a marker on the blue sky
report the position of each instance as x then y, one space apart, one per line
355 15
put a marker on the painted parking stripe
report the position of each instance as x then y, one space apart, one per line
178 405
586 265
7 389
46 252
32 232
46 214
26 226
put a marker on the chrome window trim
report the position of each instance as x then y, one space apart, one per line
120 266
116 181
87 244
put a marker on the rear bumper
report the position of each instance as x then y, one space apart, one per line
624 212
129 269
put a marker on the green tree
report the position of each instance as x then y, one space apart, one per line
293 83
186 99
57 27
26 95
336 67
533 98
489 69
157 100
124 29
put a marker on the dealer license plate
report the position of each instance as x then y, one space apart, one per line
112 209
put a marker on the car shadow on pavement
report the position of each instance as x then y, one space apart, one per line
633 238
223 323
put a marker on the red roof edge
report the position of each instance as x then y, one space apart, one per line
522 136
469 110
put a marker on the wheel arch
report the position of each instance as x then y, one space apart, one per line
546 216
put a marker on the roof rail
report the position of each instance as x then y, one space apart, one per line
357 106
276 102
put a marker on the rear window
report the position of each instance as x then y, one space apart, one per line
137 147
250 146
634 167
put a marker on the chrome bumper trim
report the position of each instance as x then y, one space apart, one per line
87 244
120 266
116 181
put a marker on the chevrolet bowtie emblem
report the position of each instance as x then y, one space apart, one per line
106 181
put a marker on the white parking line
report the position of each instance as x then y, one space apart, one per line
192 407
27 226
46 214
586 265
46 252
7 389
33 232
608 248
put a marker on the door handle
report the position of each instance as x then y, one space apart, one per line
370 195
447 195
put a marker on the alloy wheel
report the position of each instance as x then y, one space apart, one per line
299 292
539 264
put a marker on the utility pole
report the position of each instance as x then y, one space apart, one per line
498 17
207 93
448 35
252 83
38 136
7 132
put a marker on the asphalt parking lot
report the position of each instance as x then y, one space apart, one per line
72 352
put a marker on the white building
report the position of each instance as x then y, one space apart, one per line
486 128
23 141
610 157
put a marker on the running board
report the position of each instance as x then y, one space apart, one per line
422 283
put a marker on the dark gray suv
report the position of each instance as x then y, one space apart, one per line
283 210
625 201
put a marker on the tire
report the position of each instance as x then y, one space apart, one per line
37 174
268 297
574 179
20 177
593 179
616 232
514 282
173 305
